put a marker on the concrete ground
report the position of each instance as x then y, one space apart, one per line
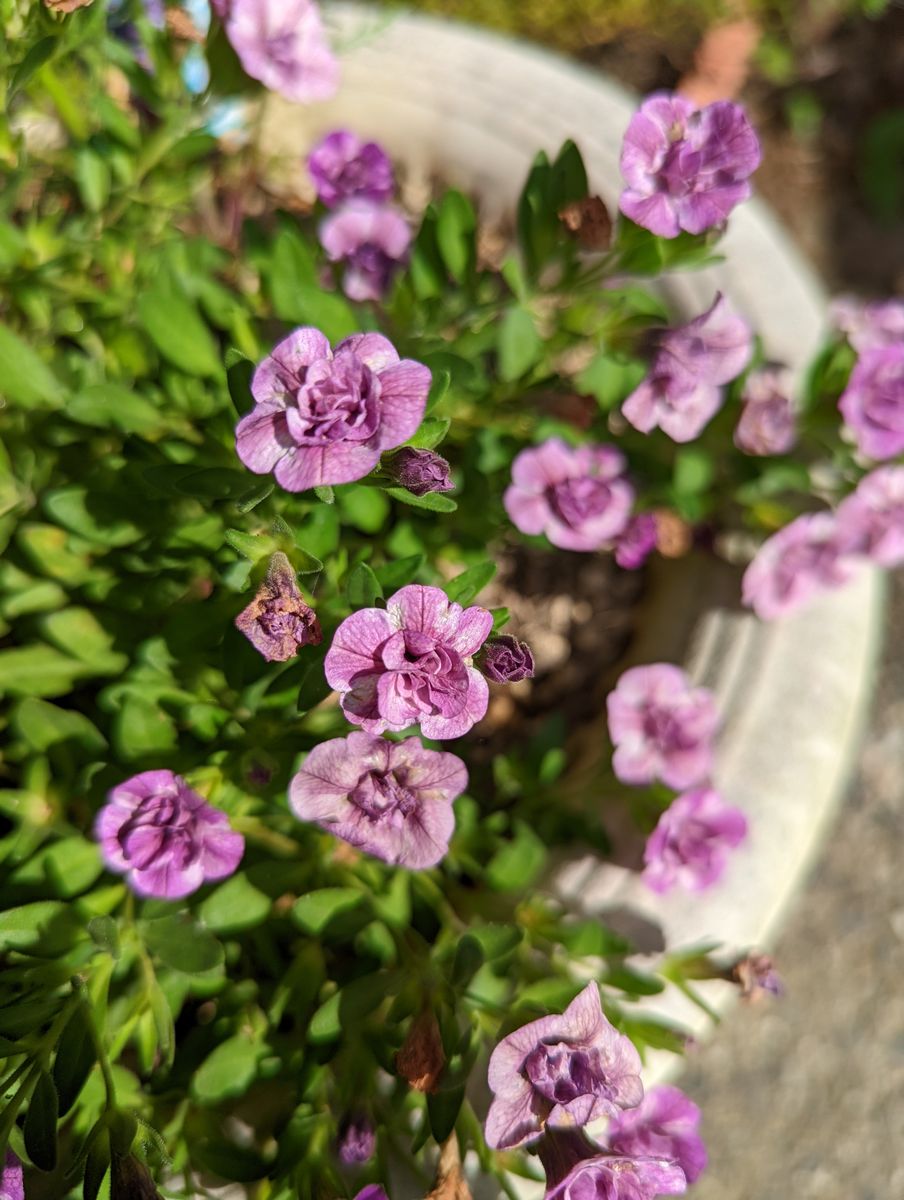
803 1097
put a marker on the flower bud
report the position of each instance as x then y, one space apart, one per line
420 471
505 659
357 1140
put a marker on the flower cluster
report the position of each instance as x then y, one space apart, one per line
282 44
554 1076
662 729
369 235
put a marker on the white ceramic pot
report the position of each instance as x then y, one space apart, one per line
473 108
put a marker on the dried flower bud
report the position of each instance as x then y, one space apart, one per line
181 26
421 1059
756 976
505 659
674 536
277 622
66 6
588 222
450 1180
420 471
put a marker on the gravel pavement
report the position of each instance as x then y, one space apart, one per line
803 1098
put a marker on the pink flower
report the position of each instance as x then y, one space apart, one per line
411 663
691 843
812 554
662 727
873 401
12 1183
636 542
344 167
323 417
612 1177
282 44
683 388
767 424
664 1125
578 497
372 240
872 519
390 799
165 838
560 1071
686 168
277 622
373 1191
869 326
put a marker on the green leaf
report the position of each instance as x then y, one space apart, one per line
107 405
468 960
610 378
694 471
92 176
234 906
25 378
46 924
633 982
464 587
175 327
365 508
39 670
549 995
497 940
79 631
43 725
500 618
238 379
37 55
325 494
71 865
227 1072
443 1108
97 1163
183 944
396 574
591 939
431 433
253 546
363 588
346 1008
433 502
439 386
517 863
314 912
314 686
518 344
40 1131
291 268
455 228
142 729
76 1055
94 518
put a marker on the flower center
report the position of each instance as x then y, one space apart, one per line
162 826
561 1072
380 795
338 401
578 500
429 676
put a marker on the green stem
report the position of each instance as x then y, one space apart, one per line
257 831
105 1069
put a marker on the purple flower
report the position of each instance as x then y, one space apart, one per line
611 1177
578 497
690 844
560 1071
373 1191
683 388
420 471
344 167
324 417
372 240
767 424
165 838
872 519
873 401
810 555
869 326
12 1183
277 622
637 541
505 659
664 1125
662 727
282 44
391 799
358 1138
686 168
410 663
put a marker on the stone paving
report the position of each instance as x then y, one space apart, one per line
803 1098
